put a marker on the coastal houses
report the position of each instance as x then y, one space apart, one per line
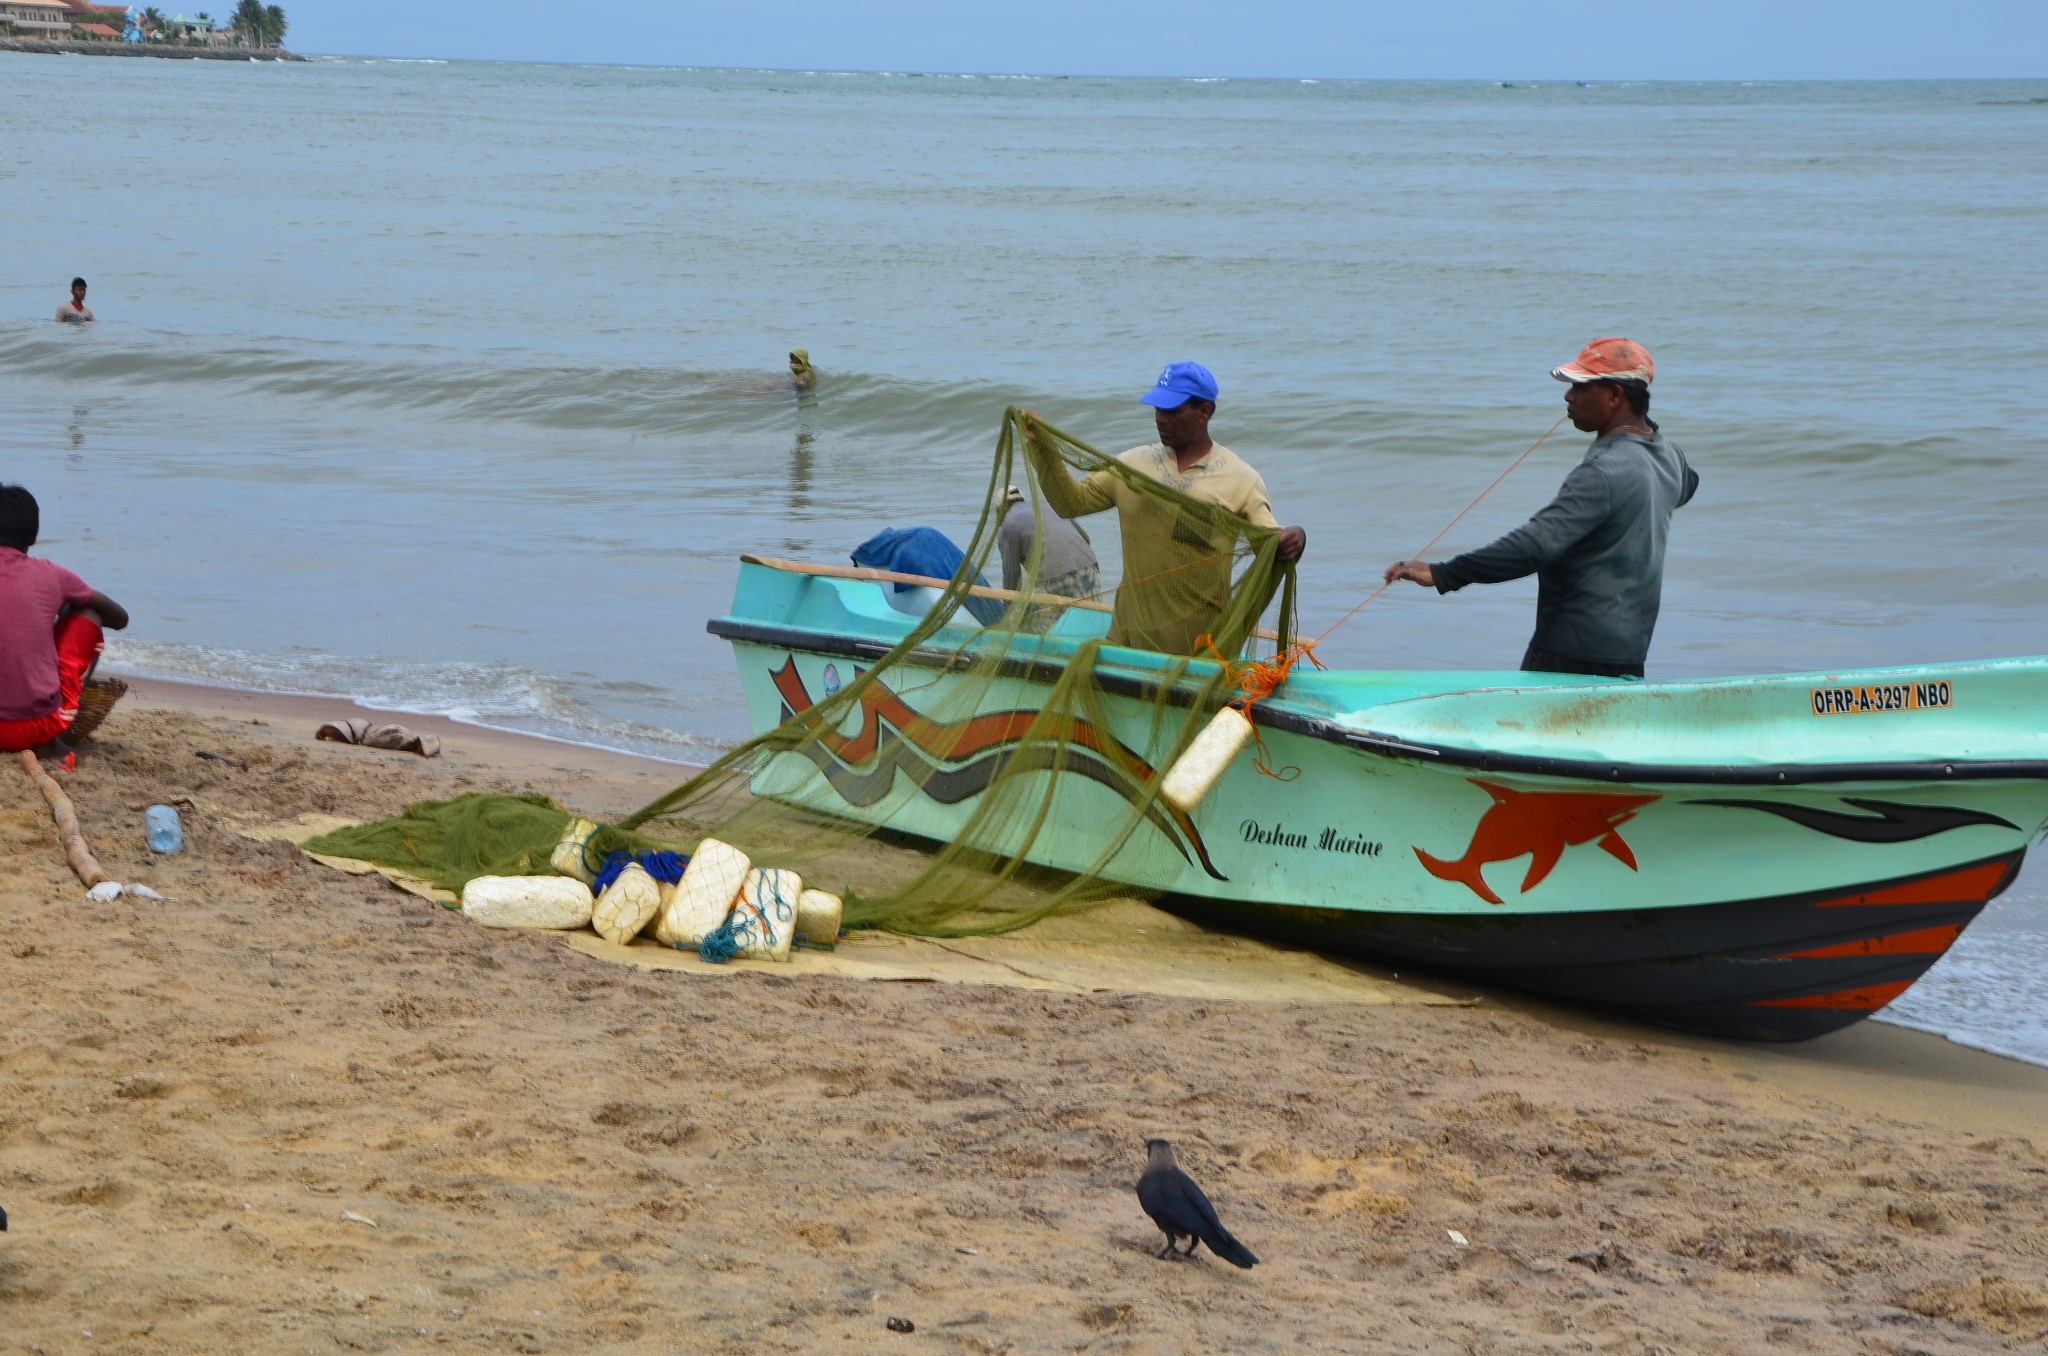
49 19
55 20
197 28
84 13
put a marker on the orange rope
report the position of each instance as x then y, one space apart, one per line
1258 679
1133 583
1448 526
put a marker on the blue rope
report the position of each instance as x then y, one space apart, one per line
666 867
721 944
729 938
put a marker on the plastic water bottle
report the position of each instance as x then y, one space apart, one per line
160 824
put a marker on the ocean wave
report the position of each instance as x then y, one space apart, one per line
1985 993
924 416
647 401
501 696
632 400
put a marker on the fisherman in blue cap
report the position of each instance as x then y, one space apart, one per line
1176 570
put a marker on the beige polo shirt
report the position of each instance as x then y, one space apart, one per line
1167 614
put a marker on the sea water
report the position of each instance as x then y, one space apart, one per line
459 387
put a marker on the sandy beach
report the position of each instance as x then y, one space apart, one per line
301 1110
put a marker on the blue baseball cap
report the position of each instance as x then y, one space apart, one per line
1180 383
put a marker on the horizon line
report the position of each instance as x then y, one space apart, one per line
907 73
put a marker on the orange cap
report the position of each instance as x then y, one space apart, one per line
1609 360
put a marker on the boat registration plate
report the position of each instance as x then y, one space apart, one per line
1879 698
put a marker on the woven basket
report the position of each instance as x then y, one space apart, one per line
95 704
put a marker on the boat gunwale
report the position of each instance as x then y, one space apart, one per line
1123 683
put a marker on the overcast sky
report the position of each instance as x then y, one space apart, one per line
1411 39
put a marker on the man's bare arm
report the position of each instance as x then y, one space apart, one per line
1064 495
112 615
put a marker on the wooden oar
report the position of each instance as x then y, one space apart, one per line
977 590
76 852
893 577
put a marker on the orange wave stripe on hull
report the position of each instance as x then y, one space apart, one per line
1972 885
1919 942
1868 999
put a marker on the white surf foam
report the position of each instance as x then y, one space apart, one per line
506 697
1987 992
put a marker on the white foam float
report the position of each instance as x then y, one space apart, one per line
571 856
818 915
541 902
764 919
710 884
627 905
1195 773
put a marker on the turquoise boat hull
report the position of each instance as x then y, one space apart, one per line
1769 857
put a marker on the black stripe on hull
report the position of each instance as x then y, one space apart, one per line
1147 688
869 787
1786 968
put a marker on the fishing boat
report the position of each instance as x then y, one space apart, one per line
1769 858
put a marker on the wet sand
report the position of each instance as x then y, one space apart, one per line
299 1110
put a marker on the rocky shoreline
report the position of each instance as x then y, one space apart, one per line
144 49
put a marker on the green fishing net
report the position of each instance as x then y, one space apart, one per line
450 842
1015 733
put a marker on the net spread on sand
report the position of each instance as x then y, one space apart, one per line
765 795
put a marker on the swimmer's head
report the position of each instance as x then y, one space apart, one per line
78 289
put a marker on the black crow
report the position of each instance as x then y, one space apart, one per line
1180 1209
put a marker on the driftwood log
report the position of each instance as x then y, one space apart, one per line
75 851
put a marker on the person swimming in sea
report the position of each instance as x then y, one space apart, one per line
74 312
801 373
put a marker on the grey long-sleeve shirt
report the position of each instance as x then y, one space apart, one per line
1597 550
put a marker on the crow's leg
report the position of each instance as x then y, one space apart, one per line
1169 1247
1194 1241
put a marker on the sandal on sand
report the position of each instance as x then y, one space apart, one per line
394 737
95 703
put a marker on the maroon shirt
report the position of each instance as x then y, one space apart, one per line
32 593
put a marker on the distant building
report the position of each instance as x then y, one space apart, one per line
37 18
184 28
102 22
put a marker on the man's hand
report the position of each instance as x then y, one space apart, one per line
1293 541
1411 569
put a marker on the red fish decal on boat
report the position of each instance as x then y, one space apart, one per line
1539 825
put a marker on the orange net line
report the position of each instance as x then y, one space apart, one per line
1258 679
1431 543
1133 583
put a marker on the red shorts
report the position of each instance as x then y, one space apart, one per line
79 642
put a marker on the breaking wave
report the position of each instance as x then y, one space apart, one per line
501 696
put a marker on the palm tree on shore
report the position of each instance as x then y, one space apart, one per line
250 21
154 22
260 25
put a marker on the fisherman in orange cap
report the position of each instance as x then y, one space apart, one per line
1597 549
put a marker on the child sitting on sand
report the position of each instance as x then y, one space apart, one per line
50 638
